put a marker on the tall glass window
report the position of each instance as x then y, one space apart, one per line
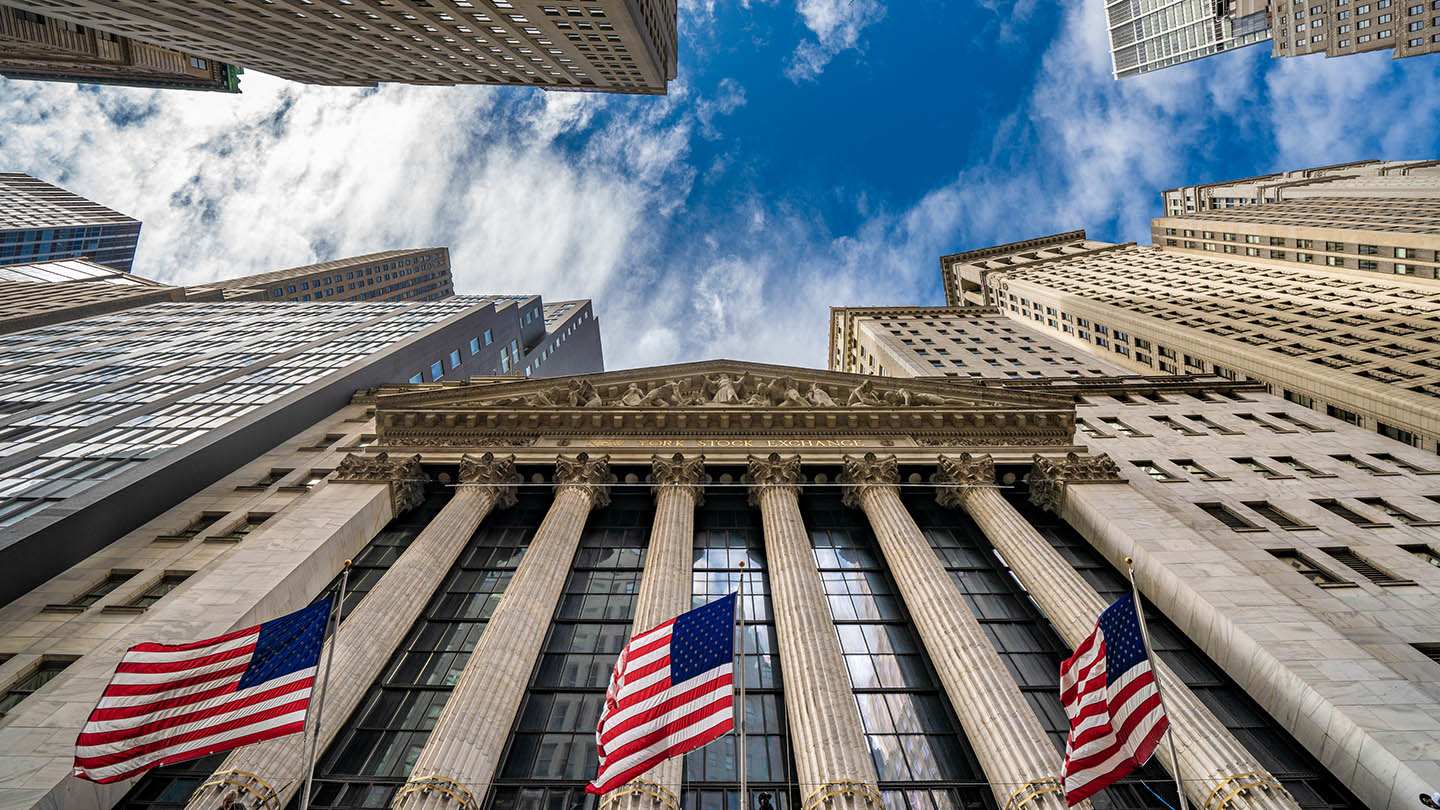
920 753
551 752
171 786
1033 651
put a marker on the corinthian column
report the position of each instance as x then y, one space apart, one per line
832 759
459 760
1213 764
1018 758
665 589
372 631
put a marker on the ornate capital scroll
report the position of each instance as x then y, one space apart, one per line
678 472
590 474
771 471
863 472
958 472
495 473
1049 477
405 477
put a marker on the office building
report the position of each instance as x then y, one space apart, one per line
46 293
40 222
421 274
1358 180
1354 344
621 46
1403 27
1147 36
903 631
34 46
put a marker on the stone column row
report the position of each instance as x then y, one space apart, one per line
270 773
460 758
1209 754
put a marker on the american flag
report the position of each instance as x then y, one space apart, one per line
670 693
1109 692
172 702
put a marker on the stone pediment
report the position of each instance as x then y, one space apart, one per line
718 396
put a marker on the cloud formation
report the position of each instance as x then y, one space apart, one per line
837 25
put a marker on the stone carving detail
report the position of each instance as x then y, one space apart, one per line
772 471
493 472
1048 478
1008 440
965 470
405 477
724 390
679 472
410 440
863 472
584 472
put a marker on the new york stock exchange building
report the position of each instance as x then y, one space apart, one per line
919 556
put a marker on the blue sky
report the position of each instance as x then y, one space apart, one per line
811 153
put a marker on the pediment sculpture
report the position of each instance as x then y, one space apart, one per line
726 390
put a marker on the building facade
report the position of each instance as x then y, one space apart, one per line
34 46
394 275
40 222
1146 35
1361 179
109 420
1352 344
47 293
919 555
622 46
1403 27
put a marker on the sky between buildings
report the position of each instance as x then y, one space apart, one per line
811 153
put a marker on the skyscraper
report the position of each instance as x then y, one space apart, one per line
1355 344
394 275
1146 36
45 293
39 222
622 46
34 46
1361 179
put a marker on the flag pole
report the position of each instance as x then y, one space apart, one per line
1154 665
740 675
319 702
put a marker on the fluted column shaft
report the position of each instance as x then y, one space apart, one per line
832 758
1209 754
460 758
374 629
664 593
1017 756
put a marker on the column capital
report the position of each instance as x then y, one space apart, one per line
679 473
960 472
773 471
589 474
1049 477
405 477
864 472
494 473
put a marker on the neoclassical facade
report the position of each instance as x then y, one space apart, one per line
918 557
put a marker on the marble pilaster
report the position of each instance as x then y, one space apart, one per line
460 758
664 594
1212 762
270 773
1017 756
832 758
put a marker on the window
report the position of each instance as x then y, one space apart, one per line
1398 434
157 590
1090 430
418 378
1225 515
1256 467
324 442
1120 427
252 521
200 524
1426 554
1342 414
1300 466
474 346
273 477
1279 518
1296 421
314 477
1396 512
1310 570
1211 424
1401 463
1364 567
1361 465
1338 509
1189 466
1370 250
25 686
1150 469
1431 651
436 371
1255 420
454 359
99 590
1176 426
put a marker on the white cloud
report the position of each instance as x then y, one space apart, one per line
837 25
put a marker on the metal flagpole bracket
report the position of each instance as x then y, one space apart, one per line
1033 790
826 793
440 784
248 782
657 792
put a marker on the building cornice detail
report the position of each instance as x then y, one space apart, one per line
865 472
1049 477
772 472
679 472
405 477
496 473
587 473
958 472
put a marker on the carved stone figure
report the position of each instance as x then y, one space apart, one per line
819 397
897 398
923 398
725 393
542 398
633 396
862 395
659 395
